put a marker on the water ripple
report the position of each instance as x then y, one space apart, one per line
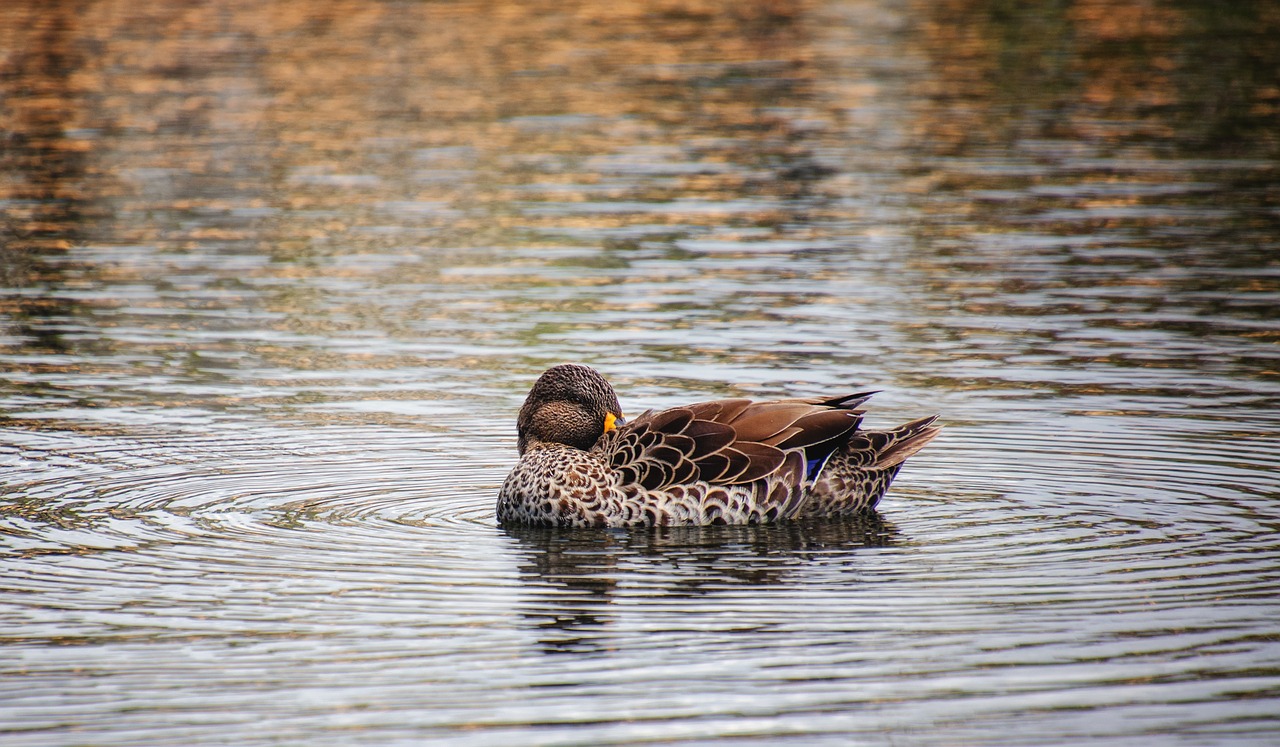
275 283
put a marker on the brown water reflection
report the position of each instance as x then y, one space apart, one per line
1180 78
275 277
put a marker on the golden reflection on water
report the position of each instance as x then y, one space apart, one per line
250 103
463 148
1179 78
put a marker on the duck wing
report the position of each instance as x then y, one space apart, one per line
818 425
729 441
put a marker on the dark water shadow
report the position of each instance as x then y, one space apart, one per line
576 577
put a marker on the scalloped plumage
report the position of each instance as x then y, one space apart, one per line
730 461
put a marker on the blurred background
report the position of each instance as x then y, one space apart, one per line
275 278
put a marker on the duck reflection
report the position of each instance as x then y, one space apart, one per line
576 577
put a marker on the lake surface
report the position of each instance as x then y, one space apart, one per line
277 276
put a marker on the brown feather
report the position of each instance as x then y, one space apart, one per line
671 421
719 410
663 453
914 435
681 442
738 463
656 475
819 427
706 410
709 437
762 420
845 402
625 453
786 488
781 436
762 460
712 466
685 472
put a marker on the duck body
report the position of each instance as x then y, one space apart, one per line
731 461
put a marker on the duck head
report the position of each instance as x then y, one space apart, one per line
569 404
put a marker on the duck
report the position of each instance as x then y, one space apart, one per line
725 461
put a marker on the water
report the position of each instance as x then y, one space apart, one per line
277 277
